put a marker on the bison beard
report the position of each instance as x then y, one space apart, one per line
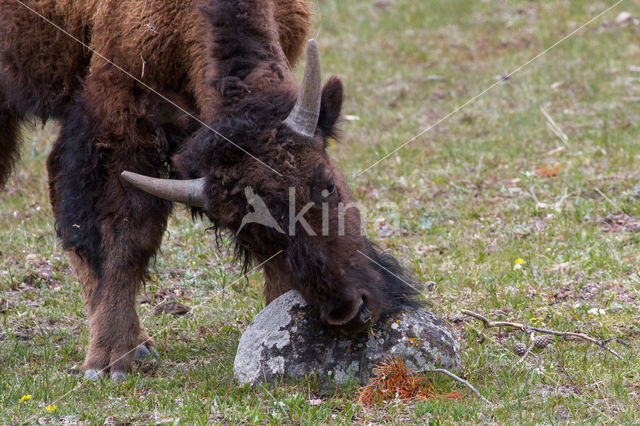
228 61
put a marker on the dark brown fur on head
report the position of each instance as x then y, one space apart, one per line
340 272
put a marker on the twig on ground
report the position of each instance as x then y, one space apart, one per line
557 130
617 339
527 328
609 200
461 380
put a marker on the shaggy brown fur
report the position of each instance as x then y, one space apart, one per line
228 61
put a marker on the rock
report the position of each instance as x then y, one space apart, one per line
616 307
171 308
430 285
623 17
286 340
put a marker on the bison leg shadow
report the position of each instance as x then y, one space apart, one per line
9 139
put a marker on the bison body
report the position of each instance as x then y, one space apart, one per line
198 89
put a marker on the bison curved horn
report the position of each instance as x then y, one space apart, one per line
303 119
189 192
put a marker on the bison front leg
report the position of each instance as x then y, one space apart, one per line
115 336
108 229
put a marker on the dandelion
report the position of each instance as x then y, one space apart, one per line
51 408
25 398
517 264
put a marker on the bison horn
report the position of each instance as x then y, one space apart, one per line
303 119
189 192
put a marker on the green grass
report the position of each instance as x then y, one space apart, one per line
458 206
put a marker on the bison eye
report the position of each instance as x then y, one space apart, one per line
331 186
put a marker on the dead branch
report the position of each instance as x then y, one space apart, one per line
528 329
461 380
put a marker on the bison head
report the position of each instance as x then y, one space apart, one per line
265 175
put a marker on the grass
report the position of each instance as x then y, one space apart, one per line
458 206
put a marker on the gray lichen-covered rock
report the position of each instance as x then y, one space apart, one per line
286 340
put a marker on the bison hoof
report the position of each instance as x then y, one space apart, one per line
143 353
95 375
118 376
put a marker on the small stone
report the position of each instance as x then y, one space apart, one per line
520 348
171 308
75 370
458 318
614 307
383 4
623 17
430 285
287 340
111 421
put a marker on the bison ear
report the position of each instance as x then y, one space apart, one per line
331 104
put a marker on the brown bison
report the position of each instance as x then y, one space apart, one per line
199 96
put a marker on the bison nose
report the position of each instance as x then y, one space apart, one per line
352 314
361 320
347 309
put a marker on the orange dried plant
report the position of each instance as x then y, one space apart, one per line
548 171
392 380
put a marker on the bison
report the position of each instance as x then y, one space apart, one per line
196 101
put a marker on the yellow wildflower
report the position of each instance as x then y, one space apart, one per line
25 398
51 408
519 261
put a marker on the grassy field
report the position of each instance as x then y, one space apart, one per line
490 184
